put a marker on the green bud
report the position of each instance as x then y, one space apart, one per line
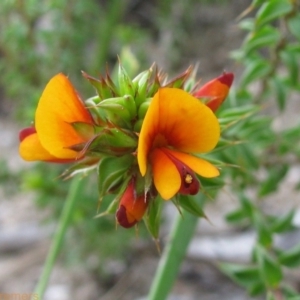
153 88
141 82
97 113
178 81
123 110
137 78
85 130
144 108
112 171
113 141
125 83
130 105
103 86
138 125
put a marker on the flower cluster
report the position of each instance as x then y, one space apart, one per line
144 136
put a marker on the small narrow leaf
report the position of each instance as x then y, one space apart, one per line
272 10
294 25
111 172
153 218
283 223
270 269
256 68
291 258
191 204
247 276
275 176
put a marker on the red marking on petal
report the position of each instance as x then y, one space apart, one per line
226 78
24 133
122 218
216 90
132 207
189 183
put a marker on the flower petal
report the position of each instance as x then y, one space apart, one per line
30 149
216 90
58 108
198 165
166 177
131 208
186 124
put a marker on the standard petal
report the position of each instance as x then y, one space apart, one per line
30 149
147 134
198 165
58 108
165 174
186 123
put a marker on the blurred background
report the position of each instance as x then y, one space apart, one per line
39 38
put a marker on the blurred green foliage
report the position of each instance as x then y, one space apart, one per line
270 57
39 38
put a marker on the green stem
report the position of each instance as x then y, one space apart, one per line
65 217
172 256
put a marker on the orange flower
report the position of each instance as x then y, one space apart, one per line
61 122
216 90
132 207
177 124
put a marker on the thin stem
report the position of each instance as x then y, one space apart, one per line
65 217
166 273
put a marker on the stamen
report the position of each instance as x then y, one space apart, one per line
188 178
189 183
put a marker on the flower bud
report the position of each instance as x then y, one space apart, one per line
216 90
125 83
143 108
141 83
112 141
119 109
132 207
104 86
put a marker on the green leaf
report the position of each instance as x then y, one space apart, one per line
283 223
247 157
294 25
290 293
246 276
269 269
291 257
272 10
238 112
191 204
247 205
281 92
256 289
257 3
236 216
256 68
153 218
275 176
211 183
266 36
247 24
291 60
111 171
263 231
